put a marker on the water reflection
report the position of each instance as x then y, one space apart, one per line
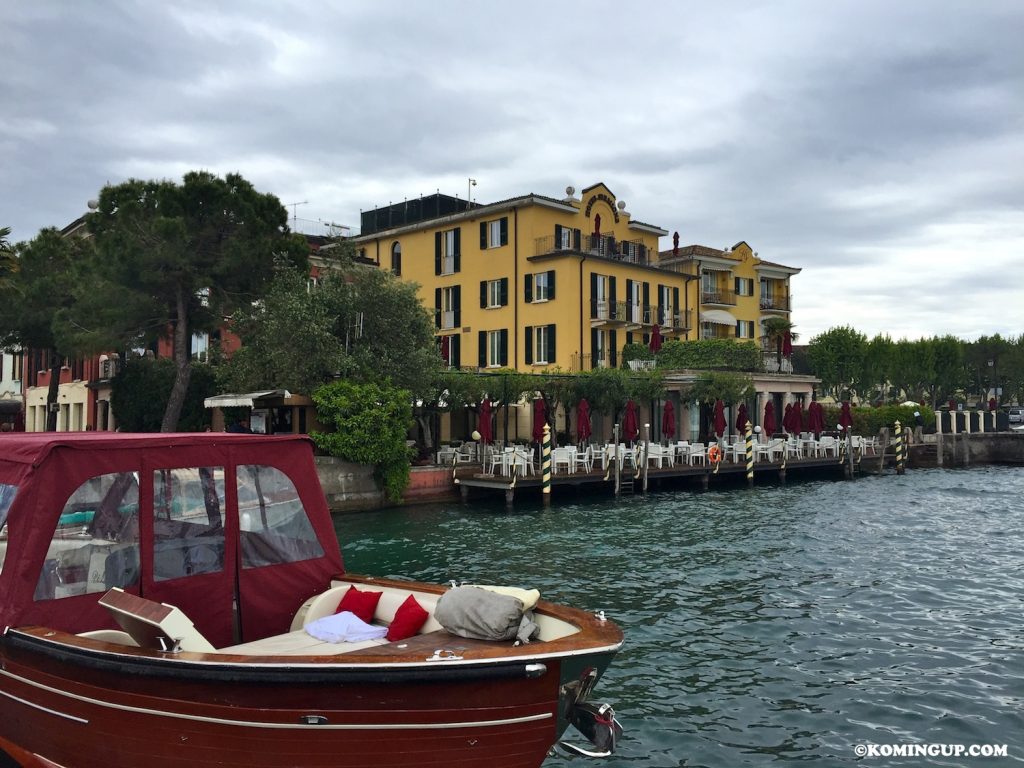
783 623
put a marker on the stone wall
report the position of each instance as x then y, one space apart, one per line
990 448
353 488
348 487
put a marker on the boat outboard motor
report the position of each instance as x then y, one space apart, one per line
595 721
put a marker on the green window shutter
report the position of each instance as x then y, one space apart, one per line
551 284
458 248
504 291
482 349
577 240
593 294
457 309
437 307
646 293
527 288
613 310
613 352
454 350
483 294
593 347
736 285
483 235
504 230
629 337
437 253
558 237
552 355
675 300
629 299
504 347
529 345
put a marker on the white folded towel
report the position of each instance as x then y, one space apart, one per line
344 627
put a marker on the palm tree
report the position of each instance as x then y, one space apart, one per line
775 329
8 263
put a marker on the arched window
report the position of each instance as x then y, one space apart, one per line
396 259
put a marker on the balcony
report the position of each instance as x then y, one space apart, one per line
722 297
776 303
605 246
588 362
638 317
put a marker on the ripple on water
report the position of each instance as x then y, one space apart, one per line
786 623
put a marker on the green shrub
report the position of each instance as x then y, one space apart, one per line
370 422
868 421
710 354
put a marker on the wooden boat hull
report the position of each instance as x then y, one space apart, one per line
78 708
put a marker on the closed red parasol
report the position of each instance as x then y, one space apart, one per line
787 418
583 420
655 343
815 418
597 225
742 418
539 419
798 418
719 419
668 420
630 428
486 435
787 344
845 417
768 424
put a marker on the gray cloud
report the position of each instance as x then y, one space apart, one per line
872 144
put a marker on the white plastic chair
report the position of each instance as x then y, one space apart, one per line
585 459
561 457
697 452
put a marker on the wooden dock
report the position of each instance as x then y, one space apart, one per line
471 480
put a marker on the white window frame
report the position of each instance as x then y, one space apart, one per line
494 233
493 294
601 297
542 345
201 347
636 301
566 243
600 354
541 288
494 349
448 308
448 252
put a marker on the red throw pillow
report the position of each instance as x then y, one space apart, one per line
362 604
409 619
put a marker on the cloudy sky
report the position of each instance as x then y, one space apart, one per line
878 145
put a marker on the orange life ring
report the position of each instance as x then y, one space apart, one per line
714 454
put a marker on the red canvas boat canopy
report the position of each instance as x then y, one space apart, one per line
203 521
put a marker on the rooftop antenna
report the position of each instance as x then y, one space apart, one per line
295 211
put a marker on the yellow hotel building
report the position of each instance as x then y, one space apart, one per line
533 282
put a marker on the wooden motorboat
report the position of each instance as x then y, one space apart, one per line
156 597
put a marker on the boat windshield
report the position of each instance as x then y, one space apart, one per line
96 542
275 527
7 493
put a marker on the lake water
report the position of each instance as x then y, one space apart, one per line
767 626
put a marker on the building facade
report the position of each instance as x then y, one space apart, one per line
532 283
737 290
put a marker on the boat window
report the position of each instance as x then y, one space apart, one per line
188 522
96 543
274 525
6 499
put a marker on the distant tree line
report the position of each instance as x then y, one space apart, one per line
931 370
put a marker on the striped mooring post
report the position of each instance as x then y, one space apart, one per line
898 440
749 434
546 464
